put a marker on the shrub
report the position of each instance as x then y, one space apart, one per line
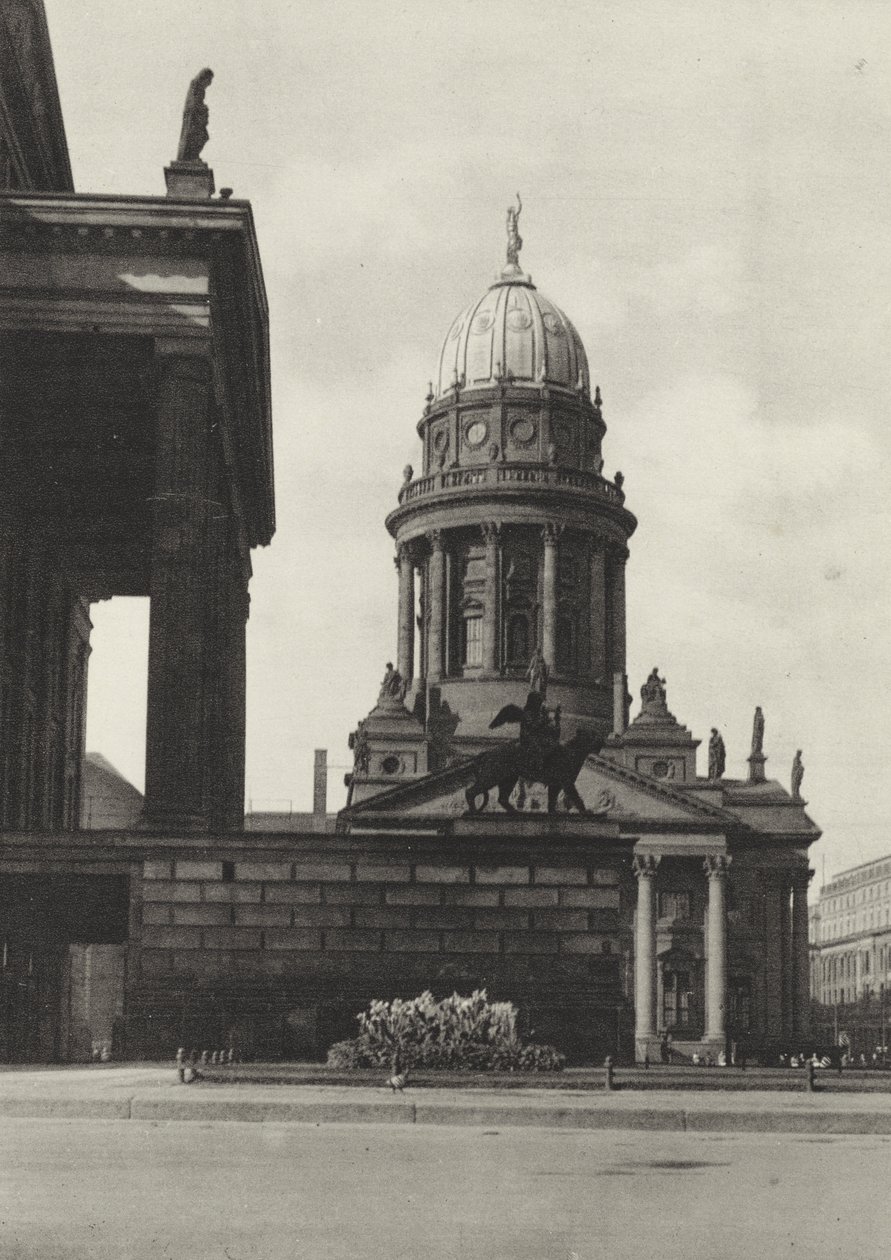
466 1033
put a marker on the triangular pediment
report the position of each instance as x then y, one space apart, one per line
609 791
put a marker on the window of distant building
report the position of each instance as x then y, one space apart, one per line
676 995
674 905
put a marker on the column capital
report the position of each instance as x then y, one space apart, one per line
801 877
716 865
490 531
435 538
645 865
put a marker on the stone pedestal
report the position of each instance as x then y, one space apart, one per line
189 181
756 767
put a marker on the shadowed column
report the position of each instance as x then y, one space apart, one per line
405 649
549 597
490 599
437 606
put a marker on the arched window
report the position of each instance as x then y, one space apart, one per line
472 646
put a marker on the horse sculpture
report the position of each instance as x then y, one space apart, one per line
536 756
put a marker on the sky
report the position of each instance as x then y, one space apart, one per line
705 193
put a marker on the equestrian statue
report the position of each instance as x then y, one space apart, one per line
536 757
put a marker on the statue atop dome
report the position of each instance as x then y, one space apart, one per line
514 239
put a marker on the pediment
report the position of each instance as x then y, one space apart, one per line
609 791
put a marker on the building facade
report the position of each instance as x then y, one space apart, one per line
850 936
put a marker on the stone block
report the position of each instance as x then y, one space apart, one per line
154 963
292 939
502 874
171 937
262 870
234 893
199 870
163 890
367 873
605 877
471 942
412 942
444 917
531 897
231 938
530 943
442 874
294 894
561 920
353 895
582 943
201 914
155 912
361 939
560 875
412 895
334 871
471 896
262 916
590 898
157 870
383 917
321 916
501 920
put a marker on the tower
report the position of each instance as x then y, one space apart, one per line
516 538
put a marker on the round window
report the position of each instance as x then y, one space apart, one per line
660 769
390 765
476 433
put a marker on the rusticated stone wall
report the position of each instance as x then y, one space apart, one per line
276 951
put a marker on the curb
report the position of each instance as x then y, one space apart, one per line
148 1106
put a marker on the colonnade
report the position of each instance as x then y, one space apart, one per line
607 602
786 936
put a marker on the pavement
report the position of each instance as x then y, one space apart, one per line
153 1093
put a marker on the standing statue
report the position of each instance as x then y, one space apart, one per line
717 755
652 693
758 733
538 673
514 240
194 135
358 743
797 776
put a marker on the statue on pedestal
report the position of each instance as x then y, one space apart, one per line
717 755
393 687
758 733
652 694
194 135
514 240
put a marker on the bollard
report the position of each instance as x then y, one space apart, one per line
181 1065
608 1082
204 1056
811 1077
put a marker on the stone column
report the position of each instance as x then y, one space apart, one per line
174 790
716 974
598 660
549 597
437 606
405 658
788 991
490 599
801 997
616 579
645 868
238 603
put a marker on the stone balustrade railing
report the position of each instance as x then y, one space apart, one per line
490 475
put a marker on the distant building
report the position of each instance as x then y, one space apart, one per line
109 802
850 935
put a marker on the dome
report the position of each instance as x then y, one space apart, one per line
512 333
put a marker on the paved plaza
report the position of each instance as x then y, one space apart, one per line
105 1190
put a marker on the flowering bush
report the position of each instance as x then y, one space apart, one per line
469 1033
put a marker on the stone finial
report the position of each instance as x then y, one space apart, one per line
407 473
598 401
619 480
717 755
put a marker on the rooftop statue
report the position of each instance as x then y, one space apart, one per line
194 135
717 755
652 694
758 733
797 776
538 673
537 757
514 239
393 687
